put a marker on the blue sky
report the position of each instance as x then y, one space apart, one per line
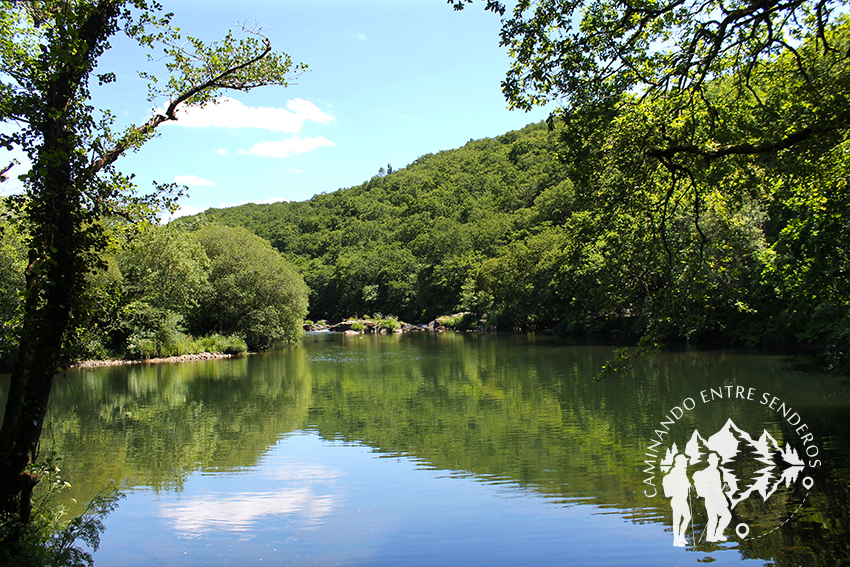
389 81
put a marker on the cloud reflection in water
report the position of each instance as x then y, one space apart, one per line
303 500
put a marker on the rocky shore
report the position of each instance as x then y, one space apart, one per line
181 358
363 326
459 322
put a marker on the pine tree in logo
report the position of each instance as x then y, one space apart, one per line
728 468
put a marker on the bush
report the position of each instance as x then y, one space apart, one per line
143 349
48 540
232 345
156 333
389 324
254 293
458 321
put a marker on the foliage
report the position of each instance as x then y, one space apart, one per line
73 194
459 321
12 265
587 56
162 273
389 324
701 136
254 293
165 267
50 540
227 345
140 304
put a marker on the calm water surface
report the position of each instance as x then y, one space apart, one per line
453 449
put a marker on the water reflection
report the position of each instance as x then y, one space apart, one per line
219 444
297 493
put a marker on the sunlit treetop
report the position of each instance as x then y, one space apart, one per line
580 51
49 49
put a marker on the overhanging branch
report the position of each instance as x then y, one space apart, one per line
219 81
740 149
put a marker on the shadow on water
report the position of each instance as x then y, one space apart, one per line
520 411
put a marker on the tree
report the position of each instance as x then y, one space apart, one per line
72 193
599 57
690 109
586 53
165 267
12 264
162 276
254 292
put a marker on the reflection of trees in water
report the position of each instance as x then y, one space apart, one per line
504 408
529 413
152 425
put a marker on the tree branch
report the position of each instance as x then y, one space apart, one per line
110 156
740 149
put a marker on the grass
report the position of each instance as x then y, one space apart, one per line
459 321
145 348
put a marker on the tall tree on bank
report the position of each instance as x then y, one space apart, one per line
587 55
49 50
682 103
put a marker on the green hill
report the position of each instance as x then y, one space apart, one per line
412 242
539 228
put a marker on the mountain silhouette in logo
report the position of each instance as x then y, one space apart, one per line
697 448
748 465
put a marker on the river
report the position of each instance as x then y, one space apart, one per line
459 449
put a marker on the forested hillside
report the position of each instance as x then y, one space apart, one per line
590 227
412 242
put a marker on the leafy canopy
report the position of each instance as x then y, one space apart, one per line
595 56
73 196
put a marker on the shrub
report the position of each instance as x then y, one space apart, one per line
48 539
254 292
389 323
459 321
217 343
141 348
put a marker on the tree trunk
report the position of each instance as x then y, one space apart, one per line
57 219
52 284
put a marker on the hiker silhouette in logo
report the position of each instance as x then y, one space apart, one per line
676 486
709 485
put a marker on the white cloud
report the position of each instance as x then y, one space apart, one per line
222 152
361 36
308 497
192 180
288 146
230 113
243 511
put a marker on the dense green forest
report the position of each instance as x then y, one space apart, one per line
587 226
162 291
578 225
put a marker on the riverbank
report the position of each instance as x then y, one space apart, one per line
181 358
464 321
